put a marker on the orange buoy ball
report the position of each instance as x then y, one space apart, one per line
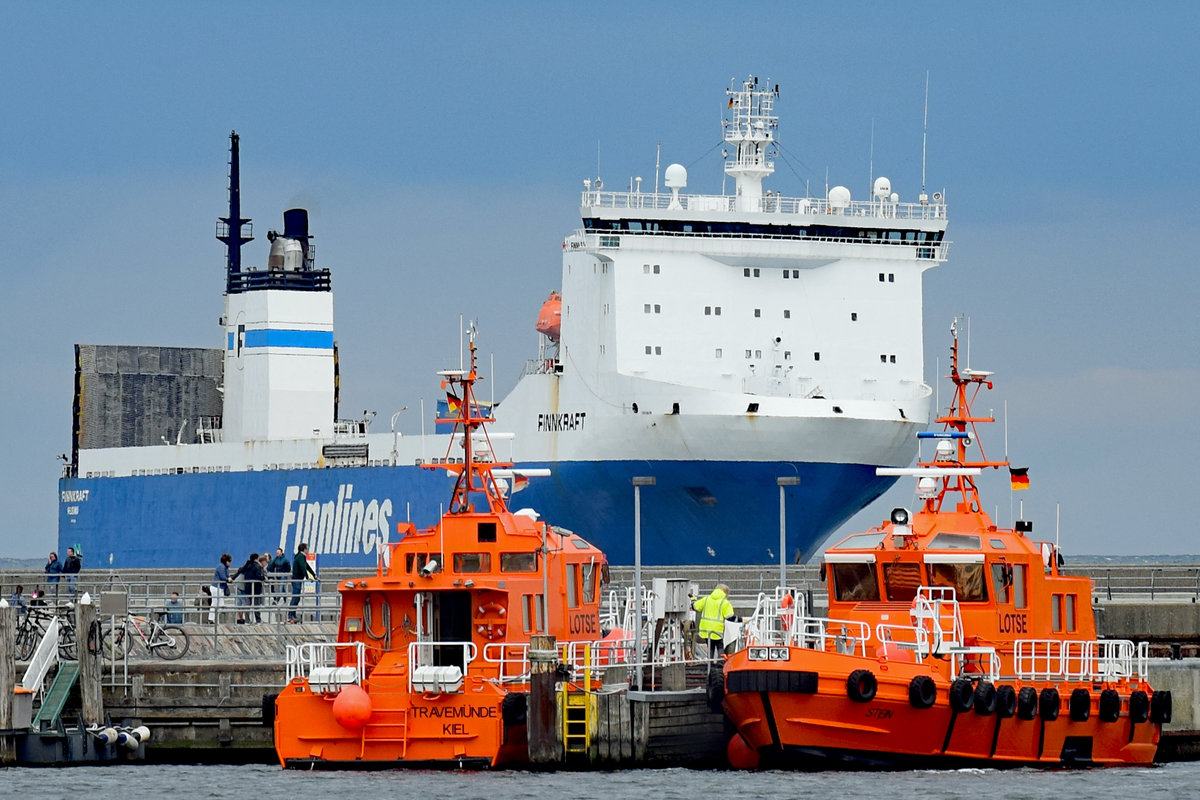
352 707
739 754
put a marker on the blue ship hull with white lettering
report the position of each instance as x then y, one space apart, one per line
697 513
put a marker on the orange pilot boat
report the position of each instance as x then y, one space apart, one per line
431 663
949 641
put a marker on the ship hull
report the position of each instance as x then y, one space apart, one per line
718 512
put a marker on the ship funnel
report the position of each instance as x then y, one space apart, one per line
295 224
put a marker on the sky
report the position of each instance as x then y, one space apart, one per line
440 149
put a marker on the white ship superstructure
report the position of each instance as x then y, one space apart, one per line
715 342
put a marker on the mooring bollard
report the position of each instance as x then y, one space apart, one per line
8 680
542 721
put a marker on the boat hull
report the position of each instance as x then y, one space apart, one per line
801 715
188 520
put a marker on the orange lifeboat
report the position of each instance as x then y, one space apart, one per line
550 317
431 663
949 641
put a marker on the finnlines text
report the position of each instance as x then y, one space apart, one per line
561 422
334 524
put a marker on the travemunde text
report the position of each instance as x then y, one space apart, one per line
337 525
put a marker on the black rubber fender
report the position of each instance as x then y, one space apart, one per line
922 692
1027 703
985 699
1080 705
1108 708
714 688
1006 701
514 709
1139 707
268 710
962 695
1160 707
861 686
1048 704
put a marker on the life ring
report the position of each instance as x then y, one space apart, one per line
1139 707
962 695
861 686
1109 707
490 608
922 692
491 631
1080 705
1049 704
786 613
985 699
1027 700
1006 701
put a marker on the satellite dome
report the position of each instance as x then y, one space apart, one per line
675 176
839 197
883 187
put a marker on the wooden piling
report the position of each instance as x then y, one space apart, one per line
90 666
8 679
542 719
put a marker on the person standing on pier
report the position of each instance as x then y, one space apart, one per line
714 609
71 567
220 585
277 572
301 572
53 571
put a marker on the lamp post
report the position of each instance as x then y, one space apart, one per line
638 483
783 482
395 454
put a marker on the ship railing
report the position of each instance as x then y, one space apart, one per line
426 676
1088 660
935 608
845 636
770 203
777 616
511 660
318 663
925 250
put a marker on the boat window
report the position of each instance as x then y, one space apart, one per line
1018 585
863 540
414 562
518 562
997 544
526 614
539 611
589 582
1071 613
855 582
1056 613
487 531
954 541
901 580
472 562
1002 577
572 585
966 579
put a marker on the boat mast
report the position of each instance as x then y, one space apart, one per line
234 230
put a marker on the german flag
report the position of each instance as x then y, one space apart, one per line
1019 477
453 403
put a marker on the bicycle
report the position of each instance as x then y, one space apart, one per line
165 641
32 628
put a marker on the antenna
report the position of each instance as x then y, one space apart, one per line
657 163
871 161
924 131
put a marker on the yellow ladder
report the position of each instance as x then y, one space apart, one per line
578 711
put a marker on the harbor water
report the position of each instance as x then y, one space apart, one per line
215 781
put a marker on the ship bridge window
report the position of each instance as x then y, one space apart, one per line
967 580
472 562
415 562
954 541
1018 586
1002 578
901 580
588 577
855 583
518 562
865 541
997 544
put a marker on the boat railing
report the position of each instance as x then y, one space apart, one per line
777 617
935 609
317 662
770 203
426 676
1088 660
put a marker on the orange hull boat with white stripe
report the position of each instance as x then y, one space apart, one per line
949 641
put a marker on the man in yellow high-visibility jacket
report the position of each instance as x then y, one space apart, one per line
714 609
